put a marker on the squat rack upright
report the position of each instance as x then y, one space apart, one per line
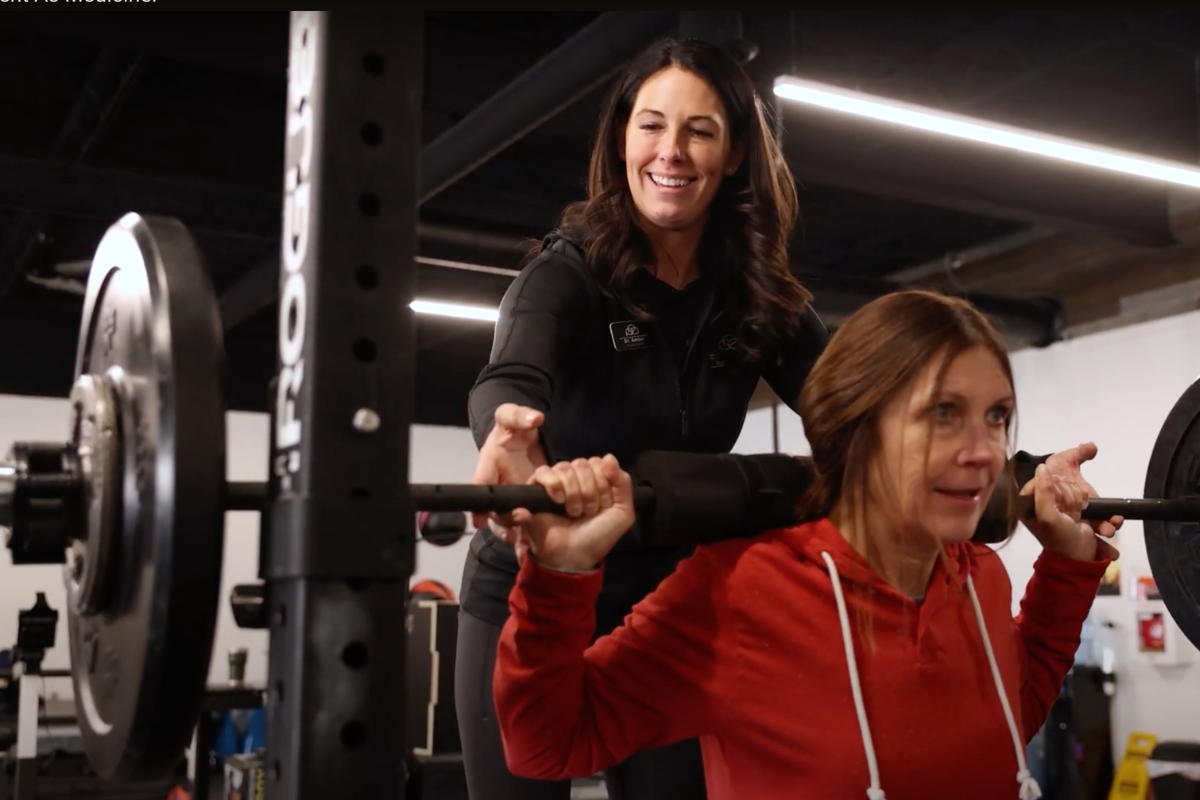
341 543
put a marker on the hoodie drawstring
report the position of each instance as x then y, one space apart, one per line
1029 789
1029 785
875 792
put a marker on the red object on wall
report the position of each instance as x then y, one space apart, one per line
1152 632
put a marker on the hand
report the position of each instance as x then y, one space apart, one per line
510 455
1060 495
598 499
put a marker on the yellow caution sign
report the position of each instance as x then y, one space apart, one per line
1132 781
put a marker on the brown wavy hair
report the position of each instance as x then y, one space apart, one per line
877 354
750 222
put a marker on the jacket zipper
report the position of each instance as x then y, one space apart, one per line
700 325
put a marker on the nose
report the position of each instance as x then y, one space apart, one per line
978 448
670 148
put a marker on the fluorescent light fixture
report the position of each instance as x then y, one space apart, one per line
994 133
455 310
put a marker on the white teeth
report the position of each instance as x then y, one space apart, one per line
671 182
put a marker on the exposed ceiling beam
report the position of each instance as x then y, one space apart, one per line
571 71
68 190
106 88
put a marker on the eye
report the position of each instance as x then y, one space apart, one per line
999 415
702 133
943 412
650 126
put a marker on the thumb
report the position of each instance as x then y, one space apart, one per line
1087 451
486 469
517 418
619 479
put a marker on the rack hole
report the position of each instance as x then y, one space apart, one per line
277 770
354 734
360 494
280 616
279 691
367 277
356 584
372 134
369 204
374 64
364 350
355 655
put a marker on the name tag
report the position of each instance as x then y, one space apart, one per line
629 335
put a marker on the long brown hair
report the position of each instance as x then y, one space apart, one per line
751 220
877 354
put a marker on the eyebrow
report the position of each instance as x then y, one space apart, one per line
1007 398
694 117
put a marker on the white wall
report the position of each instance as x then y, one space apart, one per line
437 455
1116 389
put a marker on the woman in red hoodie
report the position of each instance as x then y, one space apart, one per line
871 649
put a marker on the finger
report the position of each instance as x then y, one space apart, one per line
1073 498
587 486
1087 451
1045 500
573 495
621 482
550 479
501 532
517 418
502 518
604 488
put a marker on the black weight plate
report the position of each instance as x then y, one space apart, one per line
1173 548
151 328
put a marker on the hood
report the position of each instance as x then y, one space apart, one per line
821 543
812 539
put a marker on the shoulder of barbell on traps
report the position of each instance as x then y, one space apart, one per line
629 334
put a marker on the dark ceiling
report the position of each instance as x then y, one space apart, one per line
182 113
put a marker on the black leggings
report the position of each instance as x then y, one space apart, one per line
675 772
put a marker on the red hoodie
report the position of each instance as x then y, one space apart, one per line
742 646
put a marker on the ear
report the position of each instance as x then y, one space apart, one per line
736 155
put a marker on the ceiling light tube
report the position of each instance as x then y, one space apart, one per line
941 122
455 310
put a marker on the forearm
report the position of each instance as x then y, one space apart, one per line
1056 603
547 716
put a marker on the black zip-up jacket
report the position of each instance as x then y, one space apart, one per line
609 383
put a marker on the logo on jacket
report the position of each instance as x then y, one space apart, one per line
728 342
628 335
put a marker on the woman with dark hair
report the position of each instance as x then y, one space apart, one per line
872 647
645 322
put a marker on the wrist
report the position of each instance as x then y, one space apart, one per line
1077 551
572 565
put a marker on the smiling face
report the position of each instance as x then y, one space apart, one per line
677 149
964 429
